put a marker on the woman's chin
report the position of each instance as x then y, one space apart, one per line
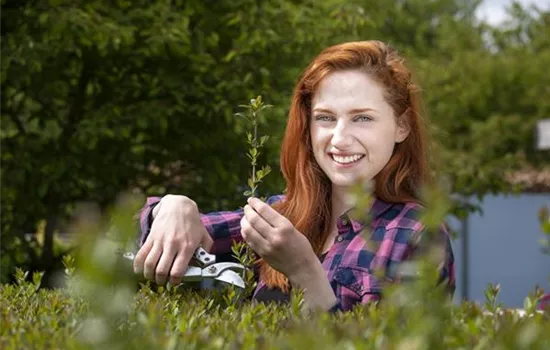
344 182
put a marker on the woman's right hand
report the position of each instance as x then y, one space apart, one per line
176 233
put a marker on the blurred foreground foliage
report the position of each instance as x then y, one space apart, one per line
410 319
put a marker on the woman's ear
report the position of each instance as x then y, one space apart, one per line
403 127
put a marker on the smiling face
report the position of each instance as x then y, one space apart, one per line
353 128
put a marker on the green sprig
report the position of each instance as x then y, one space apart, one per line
253 113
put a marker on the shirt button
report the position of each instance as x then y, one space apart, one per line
340 238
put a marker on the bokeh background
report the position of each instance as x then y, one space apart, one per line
104 97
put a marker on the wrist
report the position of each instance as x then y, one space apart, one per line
311 269
313 280
175 203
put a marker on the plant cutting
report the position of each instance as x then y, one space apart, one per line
252 115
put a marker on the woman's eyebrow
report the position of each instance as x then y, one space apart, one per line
361 110
322 110
353 111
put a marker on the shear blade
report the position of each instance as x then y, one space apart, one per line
231 277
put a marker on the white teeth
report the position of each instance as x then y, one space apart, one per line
347 159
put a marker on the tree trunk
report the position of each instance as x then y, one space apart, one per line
47 251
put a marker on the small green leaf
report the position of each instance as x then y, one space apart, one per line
230 56
263 139
266 170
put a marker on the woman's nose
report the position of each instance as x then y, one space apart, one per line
341 137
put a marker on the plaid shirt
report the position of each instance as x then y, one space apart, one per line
351 260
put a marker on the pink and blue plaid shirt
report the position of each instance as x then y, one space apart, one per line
350 262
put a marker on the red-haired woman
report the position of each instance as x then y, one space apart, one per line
355 114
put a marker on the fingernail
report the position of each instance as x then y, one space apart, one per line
248 200
137 270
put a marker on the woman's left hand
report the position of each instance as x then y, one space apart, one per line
274 238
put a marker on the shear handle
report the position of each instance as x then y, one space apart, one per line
203 257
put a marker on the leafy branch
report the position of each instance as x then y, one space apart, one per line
252 115
242 251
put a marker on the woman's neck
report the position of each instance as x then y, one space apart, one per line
341 202
339 206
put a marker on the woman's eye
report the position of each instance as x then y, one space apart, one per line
363 118
323 118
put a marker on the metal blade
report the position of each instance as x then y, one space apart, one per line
231 277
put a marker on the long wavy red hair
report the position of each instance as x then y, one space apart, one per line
308 189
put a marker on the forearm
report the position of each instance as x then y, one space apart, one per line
313 280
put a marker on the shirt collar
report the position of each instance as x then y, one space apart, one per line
377 209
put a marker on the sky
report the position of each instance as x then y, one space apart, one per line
494 11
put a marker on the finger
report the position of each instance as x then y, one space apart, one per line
164 264
257 222
270 215
151 261
179 267
253 238
143 252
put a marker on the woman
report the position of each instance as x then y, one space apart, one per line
355 115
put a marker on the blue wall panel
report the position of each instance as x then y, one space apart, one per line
503 247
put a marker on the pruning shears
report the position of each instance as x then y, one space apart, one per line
203 266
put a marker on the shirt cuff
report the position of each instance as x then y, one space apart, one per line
146 219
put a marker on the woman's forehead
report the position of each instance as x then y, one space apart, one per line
346 90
